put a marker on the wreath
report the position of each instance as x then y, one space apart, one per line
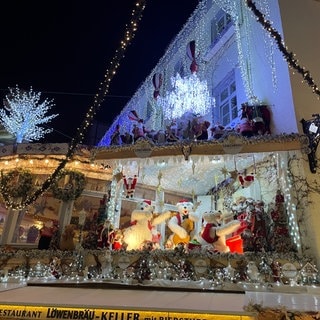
69 185
16 183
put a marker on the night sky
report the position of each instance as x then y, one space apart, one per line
62 49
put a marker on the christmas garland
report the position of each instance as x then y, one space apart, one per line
17 183
288 56
71 189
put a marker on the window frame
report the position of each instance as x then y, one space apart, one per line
217 31
226 110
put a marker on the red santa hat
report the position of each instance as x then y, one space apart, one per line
246 181
147 202
182 202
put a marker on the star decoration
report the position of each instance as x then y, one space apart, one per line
224 171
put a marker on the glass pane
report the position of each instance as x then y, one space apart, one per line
228 19
225 114
27 229
224 109
29 223
224 95
213 31
220 25
225 120
234 113
233 102
232 87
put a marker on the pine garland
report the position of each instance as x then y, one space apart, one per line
17 183
72 189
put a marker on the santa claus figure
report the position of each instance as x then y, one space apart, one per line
116 239
130 185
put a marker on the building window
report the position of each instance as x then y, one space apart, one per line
226 110
219 25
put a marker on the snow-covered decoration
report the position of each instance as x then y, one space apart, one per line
189 94
23 114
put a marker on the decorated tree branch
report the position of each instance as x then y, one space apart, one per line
23 115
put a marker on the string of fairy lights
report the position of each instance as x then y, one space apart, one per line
288 56
130 31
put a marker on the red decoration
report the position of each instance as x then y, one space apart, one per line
191 53
259 116
246 181
134 116
235 243
157 82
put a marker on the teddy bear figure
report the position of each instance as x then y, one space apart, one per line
66 241
182 224
214 233
143 220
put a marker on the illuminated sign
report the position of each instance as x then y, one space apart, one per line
52 312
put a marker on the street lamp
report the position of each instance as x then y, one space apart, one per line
311 130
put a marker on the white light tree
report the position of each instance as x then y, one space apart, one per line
23 114
189 94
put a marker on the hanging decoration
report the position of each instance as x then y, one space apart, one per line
189 94
15 184
191 53
288 56
133 115
69 185
130 185
245 179
157 82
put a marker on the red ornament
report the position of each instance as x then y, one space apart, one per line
191 53
157 82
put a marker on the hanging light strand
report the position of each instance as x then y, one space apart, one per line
130 31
